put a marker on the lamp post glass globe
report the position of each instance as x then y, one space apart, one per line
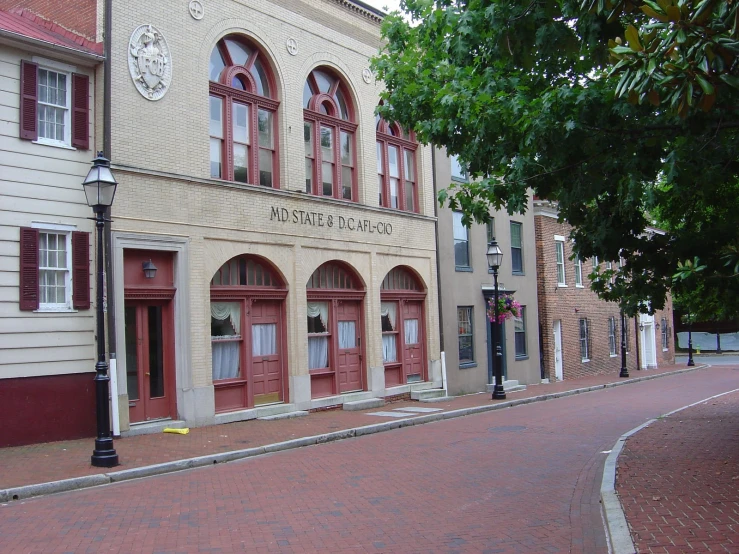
494 254
100 184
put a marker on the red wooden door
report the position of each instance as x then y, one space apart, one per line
266 363
149 375
348 342
413 341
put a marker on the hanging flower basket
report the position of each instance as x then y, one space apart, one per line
507 308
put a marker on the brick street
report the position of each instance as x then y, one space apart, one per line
525 479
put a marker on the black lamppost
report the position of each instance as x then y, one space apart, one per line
99 188
495 258
624 369
690 342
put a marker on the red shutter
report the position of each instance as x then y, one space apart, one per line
81 270
29 122
80 111
29 269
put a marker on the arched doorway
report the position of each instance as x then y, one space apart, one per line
335 330
247 321
403 331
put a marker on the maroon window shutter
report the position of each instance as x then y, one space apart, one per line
29 94
81 270
29 269
80 111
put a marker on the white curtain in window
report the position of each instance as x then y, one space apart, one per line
227 310
389 349
264 339
411 331
347 334
317 352
319 309
225 360
389 309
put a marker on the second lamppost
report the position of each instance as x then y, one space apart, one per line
100 189
690 342
495 258
624 369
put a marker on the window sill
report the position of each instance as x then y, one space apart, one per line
54 143
521 358
467 365
562 285
665 350
586 360
321 371
579 286
614 355
463 269
55 311
457 179
519 273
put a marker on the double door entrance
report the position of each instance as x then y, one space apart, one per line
335 346
149 359
403 345
247 346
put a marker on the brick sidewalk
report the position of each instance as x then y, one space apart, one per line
41 463
678 480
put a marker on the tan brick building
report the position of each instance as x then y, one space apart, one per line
581 334
294 270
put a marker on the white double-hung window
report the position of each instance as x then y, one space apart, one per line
54 270
54 99
559 248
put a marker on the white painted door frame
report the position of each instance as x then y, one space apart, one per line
558 372
647 342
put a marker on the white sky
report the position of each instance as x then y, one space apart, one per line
385 5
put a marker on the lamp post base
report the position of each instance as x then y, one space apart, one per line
498 392
104 455
691 363
624 372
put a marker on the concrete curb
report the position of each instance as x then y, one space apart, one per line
615 519
65 485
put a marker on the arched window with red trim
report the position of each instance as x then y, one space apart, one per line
243 114
397 178
329 136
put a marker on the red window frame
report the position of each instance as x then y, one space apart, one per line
391 135
331 120
255 102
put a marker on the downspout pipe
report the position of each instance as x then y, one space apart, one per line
107 151
438 264
438 273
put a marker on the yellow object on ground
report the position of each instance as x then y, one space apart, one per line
184 431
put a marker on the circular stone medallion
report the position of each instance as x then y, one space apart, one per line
196 9
150 62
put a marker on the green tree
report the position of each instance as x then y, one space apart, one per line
623 112
712 299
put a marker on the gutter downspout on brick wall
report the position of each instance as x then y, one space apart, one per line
636 342
107 129
438 264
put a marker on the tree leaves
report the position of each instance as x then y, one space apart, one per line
623 112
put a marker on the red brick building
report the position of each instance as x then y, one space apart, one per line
581 334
